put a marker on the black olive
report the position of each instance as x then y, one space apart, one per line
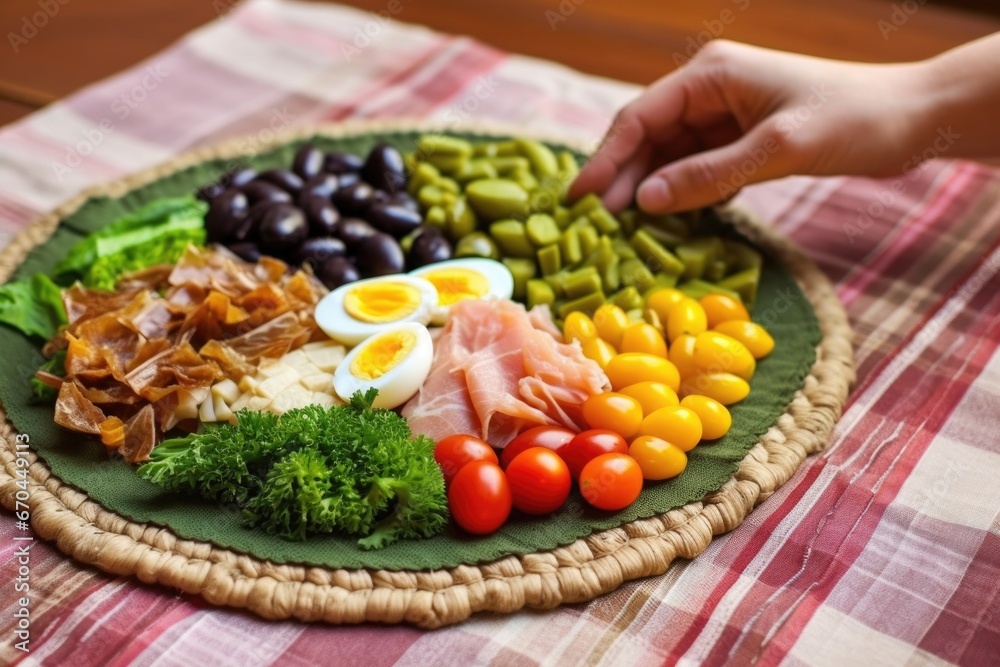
258 191
247 251
321 214
394 220
224 214
317 250
282 227
238 177
348 178
284 179
323 185
403 198
353 199
337 271
353 231
428 247
341 163
308 161
385 169
210 191
379 255
250 224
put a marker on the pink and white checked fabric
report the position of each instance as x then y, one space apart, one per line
885 549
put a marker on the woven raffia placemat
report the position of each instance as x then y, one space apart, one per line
578 572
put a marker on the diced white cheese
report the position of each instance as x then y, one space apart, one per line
269 368
227 390
294 396
326 356
206 411
241 402
324 399
247 384
258 404
318 382
294 357
274 385
187 406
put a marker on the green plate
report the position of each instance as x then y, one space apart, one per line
83 462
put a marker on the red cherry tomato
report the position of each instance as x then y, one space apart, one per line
539 481
455 451
479 497
611 481
589 444
550 437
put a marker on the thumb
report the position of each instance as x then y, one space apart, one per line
715 175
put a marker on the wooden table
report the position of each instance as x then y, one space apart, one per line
61 45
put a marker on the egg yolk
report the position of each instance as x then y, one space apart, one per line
382 302
454 285
382 354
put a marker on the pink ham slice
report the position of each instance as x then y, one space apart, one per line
498 370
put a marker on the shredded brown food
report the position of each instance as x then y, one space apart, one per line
167 330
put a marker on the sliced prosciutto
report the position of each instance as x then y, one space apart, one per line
498 370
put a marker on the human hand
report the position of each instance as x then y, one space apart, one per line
739 114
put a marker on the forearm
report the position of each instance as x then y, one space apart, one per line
962 117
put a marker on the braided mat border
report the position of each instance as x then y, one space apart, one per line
581 571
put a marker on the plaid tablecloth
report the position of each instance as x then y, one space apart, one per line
885 549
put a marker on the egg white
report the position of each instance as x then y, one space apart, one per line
500 282
397 385
340 325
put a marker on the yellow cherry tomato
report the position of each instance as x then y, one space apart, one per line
613 412
715 418
678 426
657 458
632 367
662 300
722 308
714 352
682 356
726 388
685 317
599 350
752 335
643 337
651 395
611 321
579 327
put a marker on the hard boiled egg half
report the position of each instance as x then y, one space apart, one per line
468 278
353 312
395 361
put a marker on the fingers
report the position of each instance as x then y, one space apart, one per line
714 175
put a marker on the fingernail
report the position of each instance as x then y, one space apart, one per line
654 194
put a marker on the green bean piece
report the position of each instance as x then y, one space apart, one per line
477 244
430 195
664 237
744 283
542 159
697 254
672 226
561 214
525 179
699 288
569 247
657 258
508 164
436 216
540 292
586 304
509 149
589 240
716 271
497 198
741 256
541 200
423 174
604 221
485 149
628 299
512 238
460 221
522 270
549 260
607 263
447 164
443 144
473 170
586 204
555 281
634 273
623 249
568 166
582 281
449 185
627 220
542 229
